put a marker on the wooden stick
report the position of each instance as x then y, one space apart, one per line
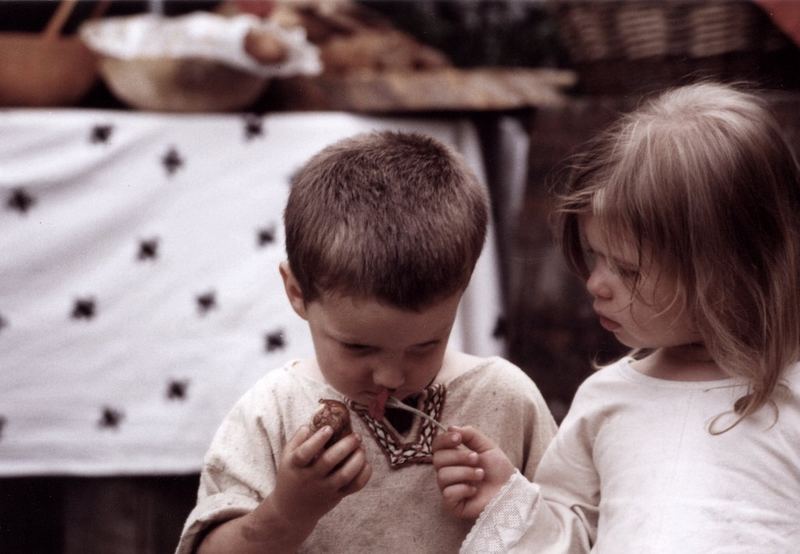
58 19
395 403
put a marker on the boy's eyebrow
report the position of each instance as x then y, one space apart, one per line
428 342
344 338
355 342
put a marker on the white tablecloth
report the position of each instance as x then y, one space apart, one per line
139 291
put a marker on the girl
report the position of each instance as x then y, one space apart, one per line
684 219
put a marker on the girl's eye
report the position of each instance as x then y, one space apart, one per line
627 273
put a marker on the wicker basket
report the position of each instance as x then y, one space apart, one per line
181 84
625 45
39 72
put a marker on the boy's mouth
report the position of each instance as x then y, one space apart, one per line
377 406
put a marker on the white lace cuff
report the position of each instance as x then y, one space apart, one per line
505 519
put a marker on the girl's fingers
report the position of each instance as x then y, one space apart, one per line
308 449
455 457
448 440
451 475
474 439
454 495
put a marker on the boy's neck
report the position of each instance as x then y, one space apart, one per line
310 369
454 364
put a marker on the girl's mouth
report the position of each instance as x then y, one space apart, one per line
608 324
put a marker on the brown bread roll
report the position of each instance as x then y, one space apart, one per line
333 413
265 48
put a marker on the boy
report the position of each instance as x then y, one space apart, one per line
383 231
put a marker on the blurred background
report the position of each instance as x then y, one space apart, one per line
104 420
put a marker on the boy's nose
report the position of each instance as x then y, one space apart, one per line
390 376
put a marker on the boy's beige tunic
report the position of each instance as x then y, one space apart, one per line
399 510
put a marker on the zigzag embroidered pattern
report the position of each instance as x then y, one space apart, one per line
400 453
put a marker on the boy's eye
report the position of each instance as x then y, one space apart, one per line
356 348
424 348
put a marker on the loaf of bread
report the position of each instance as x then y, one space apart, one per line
264 47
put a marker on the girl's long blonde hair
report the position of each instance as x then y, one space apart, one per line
702 177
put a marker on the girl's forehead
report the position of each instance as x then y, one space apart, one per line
599 235
617 245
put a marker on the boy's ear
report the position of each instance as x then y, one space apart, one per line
292 288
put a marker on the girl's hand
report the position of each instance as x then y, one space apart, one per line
312 480
469 477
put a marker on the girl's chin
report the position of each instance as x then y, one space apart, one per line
630 342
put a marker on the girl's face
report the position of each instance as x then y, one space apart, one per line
650 317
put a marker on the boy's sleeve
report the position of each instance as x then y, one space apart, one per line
524 426
539 430
239 470
555 514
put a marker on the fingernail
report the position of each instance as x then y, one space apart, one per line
455 438
479 473
327 430
473 457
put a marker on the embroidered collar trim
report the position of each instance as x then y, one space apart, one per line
420 449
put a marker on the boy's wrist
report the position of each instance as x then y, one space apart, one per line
267 520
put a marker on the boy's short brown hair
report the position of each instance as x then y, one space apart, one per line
394 216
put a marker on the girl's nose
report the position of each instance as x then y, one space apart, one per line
597 283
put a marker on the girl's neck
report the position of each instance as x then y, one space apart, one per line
689 362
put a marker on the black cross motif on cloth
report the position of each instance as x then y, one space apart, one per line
176 389
20 201
110 418
274 341
397 451
148 249
84 308
101 134
266 235
172 161
253 127
206 302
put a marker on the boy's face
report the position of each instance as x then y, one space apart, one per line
364 346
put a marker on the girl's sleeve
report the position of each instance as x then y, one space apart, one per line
555 514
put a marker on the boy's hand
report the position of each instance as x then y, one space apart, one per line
469 477
312 480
